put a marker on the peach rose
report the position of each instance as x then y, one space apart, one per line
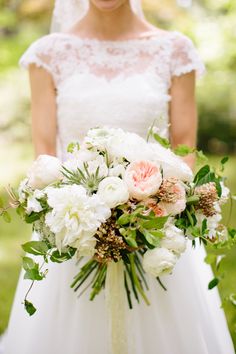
158 209
143 179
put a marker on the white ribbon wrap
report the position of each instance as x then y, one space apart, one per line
116 307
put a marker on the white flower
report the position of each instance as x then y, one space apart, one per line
74 215
212 221
225 192
117 171
86 246
33 204
131 147
159 261
143 179
23 190
174 239
45 170
113 191
97 162
173 165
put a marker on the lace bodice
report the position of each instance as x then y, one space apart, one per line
117 83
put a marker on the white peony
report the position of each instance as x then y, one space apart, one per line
33 204
74 215
159 261
45 170
113 191
173 165
174 239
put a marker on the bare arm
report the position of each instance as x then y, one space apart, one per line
43 111
183 113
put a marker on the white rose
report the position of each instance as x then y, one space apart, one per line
113 191
159 261
143 179
45 170
74 215
173 165
174 240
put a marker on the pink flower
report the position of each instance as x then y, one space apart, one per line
143 179
180 204
157 208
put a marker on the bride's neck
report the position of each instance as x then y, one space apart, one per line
116 24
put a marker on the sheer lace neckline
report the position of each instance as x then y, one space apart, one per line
156 36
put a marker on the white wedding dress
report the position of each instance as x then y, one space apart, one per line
121 84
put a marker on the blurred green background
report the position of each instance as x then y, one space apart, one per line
210 24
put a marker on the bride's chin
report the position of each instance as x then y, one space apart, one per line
107 5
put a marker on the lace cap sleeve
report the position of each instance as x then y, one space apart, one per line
38 53
185 57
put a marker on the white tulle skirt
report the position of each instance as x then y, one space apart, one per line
185 319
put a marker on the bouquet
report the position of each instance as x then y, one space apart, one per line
118 199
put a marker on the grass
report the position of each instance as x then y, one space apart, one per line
14 234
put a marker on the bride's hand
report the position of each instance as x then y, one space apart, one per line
43 111
183 113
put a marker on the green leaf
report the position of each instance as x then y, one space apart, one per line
58 257
130 236
6 217
232 299
223 162
204 171
183 150
123 219
204 226
28 263
20 211
163 141
1 203
201 157
152 237
213 283
29 219
31 269
71 147
29 307
156 223
38 248
210 259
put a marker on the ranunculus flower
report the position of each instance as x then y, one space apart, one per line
143 179
113 191
74 216
45 170
180 204
159 261
174 240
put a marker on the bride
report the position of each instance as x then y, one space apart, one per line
104 64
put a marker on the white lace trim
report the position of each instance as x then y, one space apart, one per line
63 54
